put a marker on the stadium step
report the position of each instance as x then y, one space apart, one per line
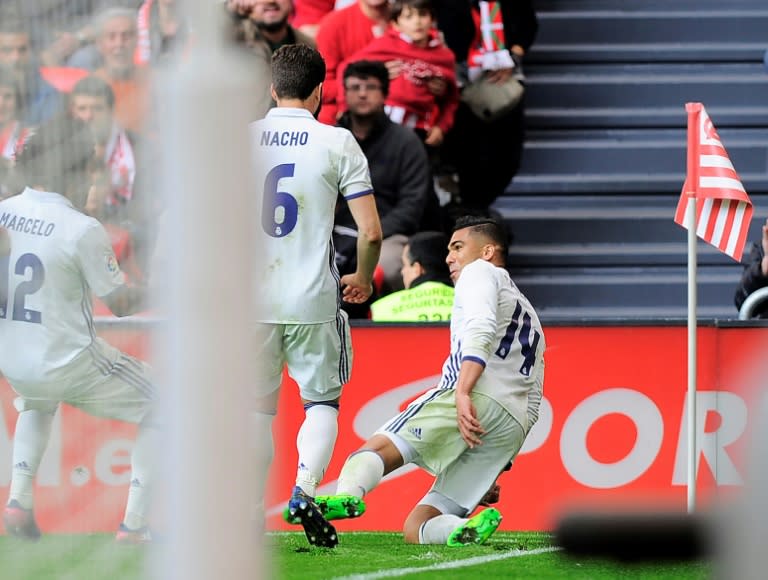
722 33
645 95
646 293
641 160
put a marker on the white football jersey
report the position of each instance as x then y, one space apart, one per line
58 257
494 324
301 166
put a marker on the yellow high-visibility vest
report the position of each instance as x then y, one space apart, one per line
427 302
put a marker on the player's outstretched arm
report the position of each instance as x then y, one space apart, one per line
126 300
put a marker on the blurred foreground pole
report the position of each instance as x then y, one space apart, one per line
207 352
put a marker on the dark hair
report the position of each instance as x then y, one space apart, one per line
297 69
57 155
489 227
398 5
92 86
366 69
429 249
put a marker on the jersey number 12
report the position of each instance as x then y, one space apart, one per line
17 305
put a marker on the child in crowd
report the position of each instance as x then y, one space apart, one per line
422 93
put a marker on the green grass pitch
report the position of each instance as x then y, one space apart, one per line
359 556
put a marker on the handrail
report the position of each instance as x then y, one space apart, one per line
752 302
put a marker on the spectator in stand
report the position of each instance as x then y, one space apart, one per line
13 133
163 32
422 90
428 293
116 40
266 28
755 275
61 28
114 198
40 101
261 26
341 34
485 169
399 172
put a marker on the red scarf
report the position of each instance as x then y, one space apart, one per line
121 164
12 139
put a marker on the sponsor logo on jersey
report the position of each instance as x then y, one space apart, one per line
112 266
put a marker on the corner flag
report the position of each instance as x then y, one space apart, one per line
724 210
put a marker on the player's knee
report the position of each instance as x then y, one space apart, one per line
411 530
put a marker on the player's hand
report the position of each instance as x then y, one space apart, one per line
469 426
491 496
354 289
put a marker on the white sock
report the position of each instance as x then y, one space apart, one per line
142 470
361 473
436 530
33 429
263 446
315 443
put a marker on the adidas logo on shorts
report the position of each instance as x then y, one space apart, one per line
416 432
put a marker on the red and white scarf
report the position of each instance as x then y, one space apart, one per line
121 165
488 52
144 44
12 139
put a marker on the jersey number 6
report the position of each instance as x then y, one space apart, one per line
279 210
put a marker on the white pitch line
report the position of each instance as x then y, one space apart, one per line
447 565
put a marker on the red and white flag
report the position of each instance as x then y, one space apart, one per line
723 208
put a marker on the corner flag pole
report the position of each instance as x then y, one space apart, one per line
692 179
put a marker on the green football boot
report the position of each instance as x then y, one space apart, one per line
477 529
333 507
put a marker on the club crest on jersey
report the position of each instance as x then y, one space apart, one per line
112 266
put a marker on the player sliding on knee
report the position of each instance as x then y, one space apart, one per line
469 428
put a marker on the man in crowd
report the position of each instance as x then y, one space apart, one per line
399 170
428 293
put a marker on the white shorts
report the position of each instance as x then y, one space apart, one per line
318 356
102 381
427 434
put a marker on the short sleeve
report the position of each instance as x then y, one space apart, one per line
98 261
354 174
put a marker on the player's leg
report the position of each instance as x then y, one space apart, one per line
268 341
114 385
416 435
361 473
33 430
442 516
319 358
